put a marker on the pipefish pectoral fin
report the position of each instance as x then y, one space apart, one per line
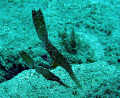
45 72
27 59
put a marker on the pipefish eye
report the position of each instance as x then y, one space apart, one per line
54 65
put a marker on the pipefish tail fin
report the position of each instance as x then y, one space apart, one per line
40 25
27 59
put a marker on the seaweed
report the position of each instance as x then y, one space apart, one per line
69 42
57 57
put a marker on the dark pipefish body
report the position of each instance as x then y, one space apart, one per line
56 56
